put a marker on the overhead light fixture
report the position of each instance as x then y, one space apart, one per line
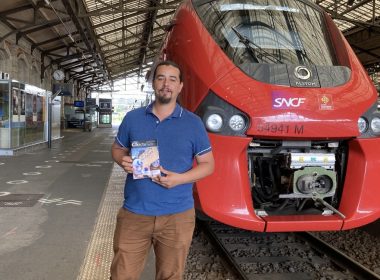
71 38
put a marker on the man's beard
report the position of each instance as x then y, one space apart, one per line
162 99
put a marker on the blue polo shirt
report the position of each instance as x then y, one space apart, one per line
180 137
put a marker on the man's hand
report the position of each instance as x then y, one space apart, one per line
121 157
168 179
203 168
126 164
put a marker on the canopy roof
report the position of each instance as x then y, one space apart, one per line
100 41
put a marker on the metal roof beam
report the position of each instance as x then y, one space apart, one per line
94 82
79 27
147 34
77 63
117 19
114 43
42 26
129 62
50 51
99 56
7 35
133 24
129 46
68 57
130 72
353 7
335 15
81 75
54 39
99 11
16 10
126 62
369 52
15 31
110 9
12 19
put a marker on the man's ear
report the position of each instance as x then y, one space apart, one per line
153 87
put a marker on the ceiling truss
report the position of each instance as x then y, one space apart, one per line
97 42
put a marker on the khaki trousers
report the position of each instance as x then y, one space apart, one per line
170 236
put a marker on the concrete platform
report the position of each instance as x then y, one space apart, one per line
99 255
58 210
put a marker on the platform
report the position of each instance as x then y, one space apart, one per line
58 210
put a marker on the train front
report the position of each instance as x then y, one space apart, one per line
290 111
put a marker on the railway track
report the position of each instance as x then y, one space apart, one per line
281 256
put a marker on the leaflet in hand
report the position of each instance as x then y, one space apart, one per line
145 157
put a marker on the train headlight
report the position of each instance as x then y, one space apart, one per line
214 122
221 117
369 123
362 125
237 122
375 125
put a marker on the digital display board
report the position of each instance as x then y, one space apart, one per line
79 103
63 89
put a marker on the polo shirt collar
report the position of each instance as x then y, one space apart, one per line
177 113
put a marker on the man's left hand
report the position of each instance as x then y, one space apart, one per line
168 179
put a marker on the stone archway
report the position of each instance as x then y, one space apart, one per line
34 76
22 68
5 61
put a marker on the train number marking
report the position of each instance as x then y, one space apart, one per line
298 129
281 128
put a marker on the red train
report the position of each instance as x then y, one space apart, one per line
291 114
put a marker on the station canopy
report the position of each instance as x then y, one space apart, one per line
97 42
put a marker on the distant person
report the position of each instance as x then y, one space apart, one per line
159 211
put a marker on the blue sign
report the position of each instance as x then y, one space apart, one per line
79 103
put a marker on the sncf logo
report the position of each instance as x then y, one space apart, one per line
287 100
281 102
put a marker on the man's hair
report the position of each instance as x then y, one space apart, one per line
168 63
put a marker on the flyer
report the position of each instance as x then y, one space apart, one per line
145 159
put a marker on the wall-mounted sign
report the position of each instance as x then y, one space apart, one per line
105 104
63 89
79 103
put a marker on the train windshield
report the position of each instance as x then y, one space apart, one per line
267 31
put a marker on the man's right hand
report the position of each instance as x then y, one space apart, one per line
121 157
126 163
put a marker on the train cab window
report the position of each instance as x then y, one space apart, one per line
268 32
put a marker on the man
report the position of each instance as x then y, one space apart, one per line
160 211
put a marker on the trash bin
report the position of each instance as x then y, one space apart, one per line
88 126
